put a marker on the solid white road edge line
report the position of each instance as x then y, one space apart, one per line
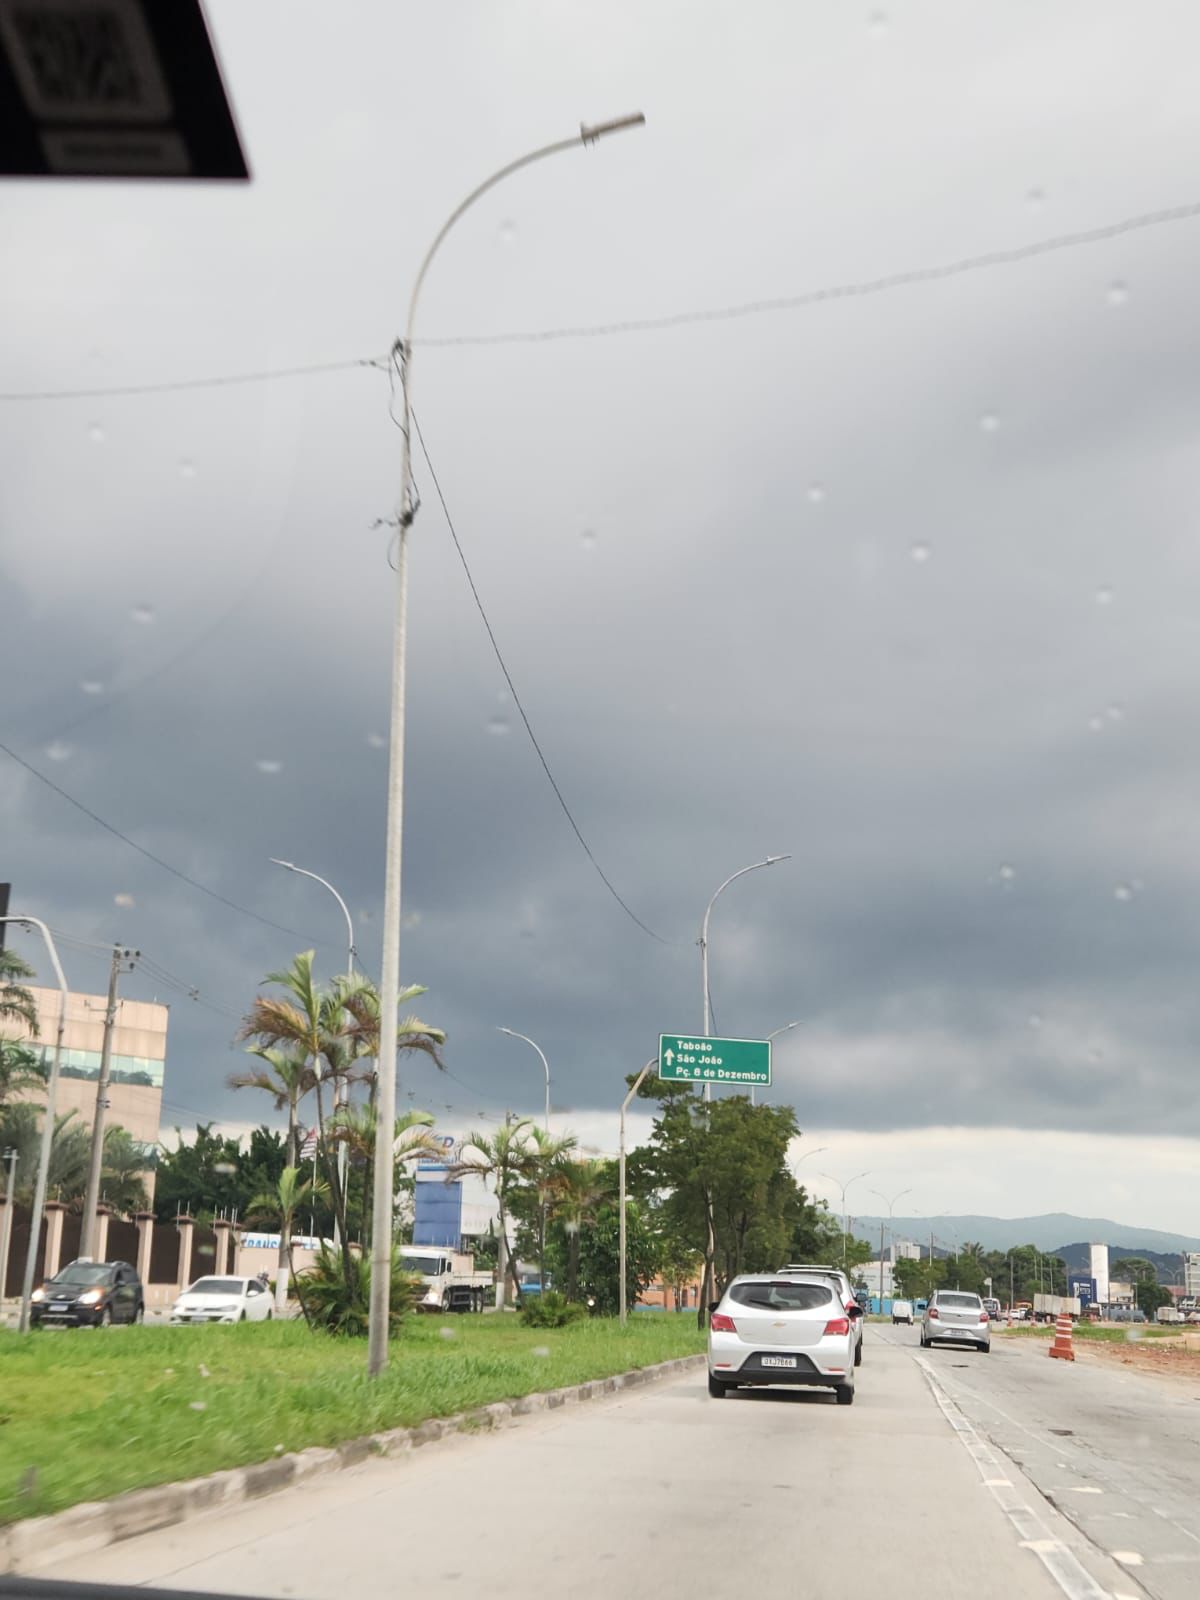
1073 1579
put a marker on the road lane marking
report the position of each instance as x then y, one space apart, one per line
1072 1577
1127 1558
1081 1488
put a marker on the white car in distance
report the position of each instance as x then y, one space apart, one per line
223 1299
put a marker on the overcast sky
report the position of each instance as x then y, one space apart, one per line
905 585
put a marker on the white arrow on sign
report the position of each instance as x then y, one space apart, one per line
668 1055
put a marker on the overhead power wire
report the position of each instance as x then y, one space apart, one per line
512 689
158 861
854 289
227 380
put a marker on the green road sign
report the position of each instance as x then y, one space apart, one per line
693 1059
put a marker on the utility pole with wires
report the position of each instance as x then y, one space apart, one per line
122 961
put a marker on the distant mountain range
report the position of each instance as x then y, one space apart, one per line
1049 1232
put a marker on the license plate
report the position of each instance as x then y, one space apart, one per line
60 1306
779 1361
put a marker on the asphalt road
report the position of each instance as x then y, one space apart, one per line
1118 1452
664 1492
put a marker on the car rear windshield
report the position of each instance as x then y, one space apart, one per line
966 1302
217 1286
782 1295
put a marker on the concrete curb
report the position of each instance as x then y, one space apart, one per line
37 1542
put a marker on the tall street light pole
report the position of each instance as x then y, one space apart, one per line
36 1216
343 1090
513 1034
732 878
787 1028
389 987
845 1217
622 1247
891 1205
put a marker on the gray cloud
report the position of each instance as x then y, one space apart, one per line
893 674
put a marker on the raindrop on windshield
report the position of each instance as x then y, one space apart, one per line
1035 1019
91 686
588 538
143 614
1103 596
1007 872
1115 712
920 552
507 231
1118 293
816 493
265 765
499 726
1096 724
1035 197
187 469
125 901
376 741
877 24
989 422
1123 892
58 751
96 433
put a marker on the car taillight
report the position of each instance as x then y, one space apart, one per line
983 1316
720 1323
933 1311
838 1325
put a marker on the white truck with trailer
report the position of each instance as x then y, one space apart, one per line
448 1277
1046 1307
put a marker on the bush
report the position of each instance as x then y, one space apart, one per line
550 1310
327 1305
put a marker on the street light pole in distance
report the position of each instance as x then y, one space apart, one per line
383 1199
732 878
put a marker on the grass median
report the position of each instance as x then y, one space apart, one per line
89 1413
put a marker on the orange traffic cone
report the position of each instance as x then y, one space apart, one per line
1062 1349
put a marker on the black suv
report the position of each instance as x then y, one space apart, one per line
89 1294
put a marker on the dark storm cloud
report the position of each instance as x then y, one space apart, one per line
903 586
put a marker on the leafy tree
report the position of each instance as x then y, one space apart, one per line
200 1177
124 1164
1148 1293
290 1194
585 1186
717 1174
600 1258
123 1168
332 1306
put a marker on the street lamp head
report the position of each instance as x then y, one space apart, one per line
590 132
290 865
771 860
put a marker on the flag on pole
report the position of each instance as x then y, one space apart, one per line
308 1148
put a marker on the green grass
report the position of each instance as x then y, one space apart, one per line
1097 1332
86 1414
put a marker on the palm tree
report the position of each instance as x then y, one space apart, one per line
291 1194
355 1127
123 1169
546 1164
16 1003
584 1186
504 1159
330 1028
287 1077
20 1068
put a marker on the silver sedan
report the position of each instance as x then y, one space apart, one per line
955 1317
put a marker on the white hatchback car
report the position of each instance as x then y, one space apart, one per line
223 1300
767 1329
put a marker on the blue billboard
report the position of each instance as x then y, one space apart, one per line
1084 1287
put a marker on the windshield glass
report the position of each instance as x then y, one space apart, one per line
427 1266
781 1295
963 1302
81 1274
218 1286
